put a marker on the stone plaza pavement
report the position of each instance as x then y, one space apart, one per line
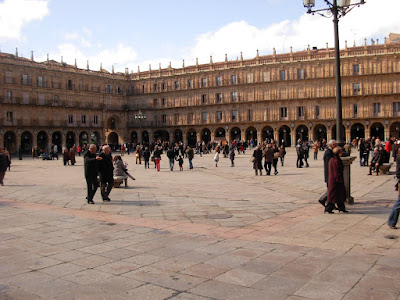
207 233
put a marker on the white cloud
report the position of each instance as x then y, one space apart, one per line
14 14
375 19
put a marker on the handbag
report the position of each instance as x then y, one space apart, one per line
152 158
276 155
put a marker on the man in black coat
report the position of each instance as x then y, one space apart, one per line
327 156
3 165
91 171
106 169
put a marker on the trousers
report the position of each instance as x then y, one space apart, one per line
92 185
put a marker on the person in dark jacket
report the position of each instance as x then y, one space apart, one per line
300 154
269 157
190 156
257 160
336 188
394 214
232 156
171 158
362 150
146 157
376 161
3 166
106 169
91 171
327 156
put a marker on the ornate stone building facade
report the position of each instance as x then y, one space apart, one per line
281 96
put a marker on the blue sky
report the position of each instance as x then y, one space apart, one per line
131 33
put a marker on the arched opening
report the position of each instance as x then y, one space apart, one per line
395 130
134 137
206 135
251 135
284 136
161 136
236 134
56 139
95 138
42 141
343 132
357 131
83 138
178 136
378 131
70 139
112 140
26 142
10 142
192 138
302 133
145 137
220 133
320 132
267 133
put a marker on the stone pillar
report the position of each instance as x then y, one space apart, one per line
198 136
243 135
185 139
328 135
212 135
310 134
347 161
151 137
348 135
259 137
276 136
293 137
387 133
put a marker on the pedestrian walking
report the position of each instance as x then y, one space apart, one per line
394 214
216 158
257 160
146 157
327 156
157 157
3 165
91 172
190 155
282 153
232 156
336 188
171 158
179 159
106 169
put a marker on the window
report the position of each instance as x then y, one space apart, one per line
119 90
10 116
69 85
83 119
219 81
204 82
41 99
234 96
317 111
300 74
190 84
396 108
282 74
155 87
218 97
163 101
163 87
203 99
40 81
164 119
283 112
234 115
25 98
219 115
266 76
249 78
249 115
204 116
26 79
300 111
9 95
233 79
176 118
176 84
377 108
267 114
108 89
70 119
356 69
55 99
8 77
355 109
95 120
190 118
356 88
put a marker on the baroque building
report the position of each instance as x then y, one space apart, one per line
282 96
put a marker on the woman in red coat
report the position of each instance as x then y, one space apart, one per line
336 188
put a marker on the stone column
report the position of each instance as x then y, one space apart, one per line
348 135
347 161
243 135
293 137
212 135
185 138
310 134
198 136
276 136
259 137
328 135
387 133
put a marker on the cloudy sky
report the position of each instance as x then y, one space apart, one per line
132 33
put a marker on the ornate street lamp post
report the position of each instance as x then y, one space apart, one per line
335 9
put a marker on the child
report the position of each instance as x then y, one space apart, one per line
180 162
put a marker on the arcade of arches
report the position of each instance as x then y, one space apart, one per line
285 133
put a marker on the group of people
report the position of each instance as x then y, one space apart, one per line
5 163
271 153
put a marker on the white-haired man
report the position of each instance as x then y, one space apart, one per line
327 156
91 171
